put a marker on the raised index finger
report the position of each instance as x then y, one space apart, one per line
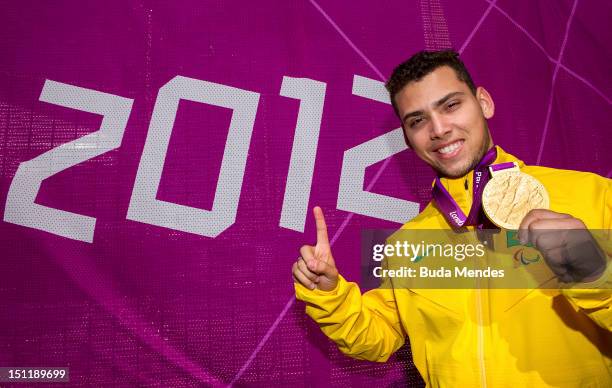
321 226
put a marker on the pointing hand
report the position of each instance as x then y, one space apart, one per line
315 268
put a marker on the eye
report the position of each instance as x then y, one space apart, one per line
415 122
452 105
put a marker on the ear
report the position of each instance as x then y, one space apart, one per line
486 102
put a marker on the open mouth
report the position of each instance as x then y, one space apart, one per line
450 150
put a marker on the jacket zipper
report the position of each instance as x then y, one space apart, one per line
479 319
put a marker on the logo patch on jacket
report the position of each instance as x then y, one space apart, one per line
526 254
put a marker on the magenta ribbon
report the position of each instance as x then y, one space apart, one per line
502 166
449 207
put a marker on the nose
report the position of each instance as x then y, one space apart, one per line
439 127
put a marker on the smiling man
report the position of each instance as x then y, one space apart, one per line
559 336
444 118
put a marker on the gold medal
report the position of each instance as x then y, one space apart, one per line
510 195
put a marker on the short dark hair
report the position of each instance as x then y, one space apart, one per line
421 64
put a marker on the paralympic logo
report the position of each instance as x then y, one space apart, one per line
519 255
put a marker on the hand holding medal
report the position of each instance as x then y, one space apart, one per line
515 200
568 247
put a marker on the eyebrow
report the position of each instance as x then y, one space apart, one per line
435 105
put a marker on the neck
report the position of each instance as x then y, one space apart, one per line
487 156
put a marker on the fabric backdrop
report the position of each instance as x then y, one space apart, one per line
158 161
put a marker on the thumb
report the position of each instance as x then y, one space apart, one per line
325 268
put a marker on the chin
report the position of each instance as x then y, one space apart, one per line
453 174
457 170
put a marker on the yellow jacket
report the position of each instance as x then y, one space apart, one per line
487 337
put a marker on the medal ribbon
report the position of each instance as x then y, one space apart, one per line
449 207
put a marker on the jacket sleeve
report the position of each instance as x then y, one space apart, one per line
595 298
364 326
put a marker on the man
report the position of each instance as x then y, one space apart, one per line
476 337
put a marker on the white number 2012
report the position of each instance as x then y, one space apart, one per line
21 208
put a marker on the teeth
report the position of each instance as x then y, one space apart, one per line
450 148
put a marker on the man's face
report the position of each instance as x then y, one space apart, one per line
444 123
